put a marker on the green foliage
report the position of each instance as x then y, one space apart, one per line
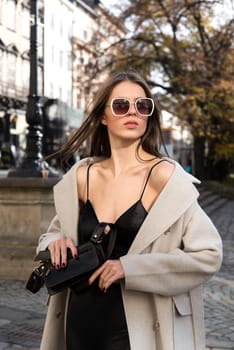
225 188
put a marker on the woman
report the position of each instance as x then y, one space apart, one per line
148 294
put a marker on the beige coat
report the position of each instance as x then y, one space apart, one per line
176 250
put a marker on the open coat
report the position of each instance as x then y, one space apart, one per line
176 250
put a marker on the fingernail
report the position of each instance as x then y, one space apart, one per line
63 265
57 266
76 256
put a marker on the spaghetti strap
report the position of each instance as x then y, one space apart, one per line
148 176
88 179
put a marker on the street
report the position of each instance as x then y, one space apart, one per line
22 313
219 291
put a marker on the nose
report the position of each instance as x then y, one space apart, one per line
132 109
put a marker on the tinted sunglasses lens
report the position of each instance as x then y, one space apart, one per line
144 106
120 106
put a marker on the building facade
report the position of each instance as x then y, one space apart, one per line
14 74
69 43
93 51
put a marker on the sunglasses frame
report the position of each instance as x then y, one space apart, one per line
131 103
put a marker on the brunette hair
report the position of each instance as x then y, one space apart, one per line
93 129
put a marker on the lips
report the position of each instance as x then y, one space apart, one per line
131 124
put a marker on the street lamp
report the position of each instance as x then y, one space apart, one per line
32 164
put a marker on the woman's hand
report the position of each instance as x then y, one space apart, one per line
110 272
58 251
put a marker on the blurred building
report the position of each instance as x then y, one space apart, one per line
92 62
74 40
14 75
71 35
178 140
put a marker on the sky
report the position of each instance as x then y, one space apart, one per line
110 3
224 10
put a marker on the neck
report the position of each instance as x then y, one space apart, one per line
125 157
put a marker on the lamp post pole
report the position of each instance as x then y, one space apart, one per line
32 164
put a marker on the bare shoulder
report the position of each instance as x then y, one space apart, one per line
81 170
161 173
81 176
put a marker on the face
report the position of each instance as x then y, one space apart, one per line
131 124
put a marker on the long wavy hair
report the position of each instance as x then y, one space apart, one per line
93 130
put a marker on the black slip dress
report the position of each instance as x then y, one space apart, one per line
96 320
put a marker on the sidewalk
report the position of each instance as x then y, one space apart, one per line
22 316
219 314
219 291
22 313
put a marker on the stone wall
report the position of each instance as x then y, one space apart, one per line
26 209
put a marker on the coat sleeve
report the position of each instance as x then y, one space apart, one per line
184 267
65 191
53 233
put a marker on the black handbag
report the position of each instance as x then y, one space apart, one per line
91 255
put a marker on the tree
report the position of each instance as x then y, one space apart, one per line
182 51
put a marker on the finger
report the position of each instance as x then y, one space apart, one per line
109 270
97 273
65 244
107 280
63 251
112 273
72 247
106 275
57 254
105 284
52 252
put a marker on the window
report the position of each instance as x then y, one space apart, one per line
25 73
11 68
51 90
10 14
52 54
60 59
52 21
69 62
69 31
69 97
1 11
1 62
60 93
25 22
61 27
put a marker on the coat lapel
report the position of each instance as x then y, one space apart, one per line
66 203
66 200
173 201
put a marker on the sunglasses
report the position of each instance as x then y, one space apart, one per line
121 106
